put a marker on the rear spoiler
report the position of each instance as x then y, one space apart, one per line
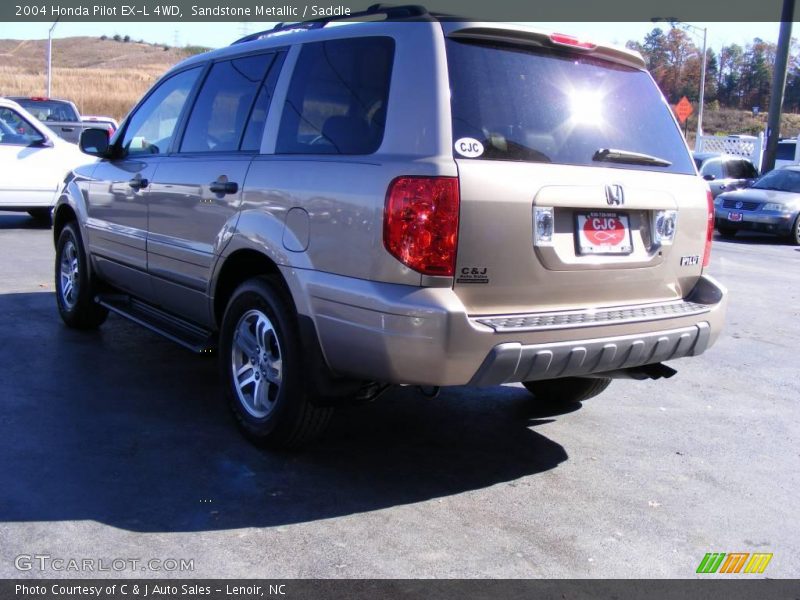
540 39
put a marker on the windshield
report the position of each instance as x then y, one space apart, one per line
49 110
536 105
782 180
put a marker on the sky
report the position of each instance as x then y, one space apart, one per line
222 34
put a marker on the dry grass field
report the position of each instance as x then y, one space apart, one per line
103 77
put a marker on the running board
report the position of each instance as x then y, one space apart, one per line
171 327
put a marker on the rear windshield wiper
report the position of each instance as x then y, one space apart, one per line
630 158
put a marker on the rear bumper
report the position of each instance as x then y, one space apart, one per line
410 335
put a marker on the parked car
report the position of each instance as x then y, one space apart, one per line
61 116
33 162
725 172
430 203
770 205
99 121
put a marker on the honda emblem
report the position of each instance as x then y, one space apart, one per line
614 195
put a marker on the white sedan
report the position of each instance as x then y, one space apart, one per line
33 162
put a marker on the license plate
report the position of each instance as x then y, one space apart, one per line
734 216
603 233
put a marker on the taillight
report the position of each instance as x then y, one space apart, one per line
709 229
420 223
573 42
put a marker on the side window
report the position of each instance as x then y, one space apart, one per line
152 126
713 167
337 98
14 130
224 104
786 150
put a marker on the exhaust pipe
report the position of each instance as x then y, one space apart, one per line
653 371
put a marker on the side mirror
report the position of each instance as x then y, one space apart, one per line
41 142
94 141
709 177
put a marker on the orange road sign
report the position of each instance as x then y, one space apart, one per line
683 109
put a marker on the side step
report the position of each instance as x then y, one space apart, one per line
171 327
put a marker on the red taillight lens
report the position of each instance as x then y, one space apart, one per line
709 229
420 223
568 40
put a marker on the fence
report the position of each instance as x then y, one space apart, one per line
747 146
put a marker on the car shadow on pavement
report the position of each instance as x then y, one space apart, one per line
127 429
754 238
21 220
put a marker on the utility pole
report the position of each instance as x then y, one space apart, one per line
702 90
50 58
778 86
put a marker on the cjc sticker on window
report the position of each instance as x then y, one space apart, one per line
469 147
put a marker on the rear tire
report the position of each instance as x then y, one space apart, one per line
73 282
264 368
567 390
727 233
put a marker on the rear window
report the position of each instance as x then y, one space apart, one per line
49 110
544 106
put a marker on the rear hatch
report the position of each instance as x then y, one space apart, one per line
577 189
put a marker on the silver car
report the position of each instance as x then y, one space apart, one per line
770 205
431 202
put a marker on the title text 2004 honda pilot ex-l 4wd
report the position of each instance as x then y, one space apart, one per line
430 203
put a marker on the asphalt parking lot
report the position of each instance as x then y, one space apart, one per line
114 445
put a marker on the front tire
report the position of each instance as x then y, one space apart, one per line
73 283
794 235
727 233
264 368
567 390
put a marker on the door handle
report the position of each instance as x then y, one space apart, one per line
67 129
223 187
138 182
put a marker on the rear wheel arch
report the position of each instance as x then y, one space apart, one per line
237 268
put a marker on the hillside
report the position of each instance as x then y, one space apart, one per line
103 77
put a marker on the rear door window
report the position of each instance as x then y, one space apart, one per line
535 105
224 104
337 98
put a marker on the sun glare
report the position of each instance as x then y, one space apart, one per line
586 108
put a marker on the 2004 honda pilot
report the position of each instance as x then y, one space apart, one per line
416 201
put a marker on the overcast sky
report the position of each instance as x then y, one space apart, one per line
222 34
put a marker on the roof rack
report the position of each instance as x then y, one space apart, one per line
390 11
